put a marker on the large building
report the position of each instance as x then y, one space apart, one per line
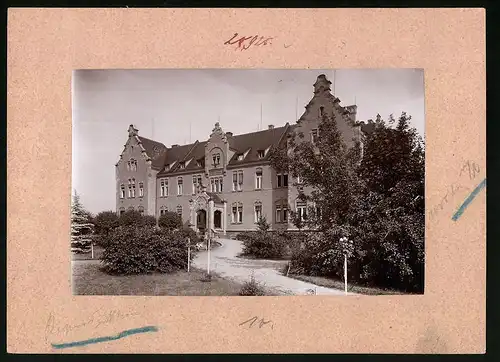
226 182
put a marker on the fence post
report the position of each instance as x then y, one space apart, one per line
92 248
345 273
189 253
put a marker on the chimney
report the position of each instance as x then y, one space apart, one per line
176 145
271 126
229 134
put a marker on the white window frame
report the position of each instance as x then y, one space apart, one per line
180 186
240 213
234 213
141 189
235 180
122 191
257 205
303 209
258 178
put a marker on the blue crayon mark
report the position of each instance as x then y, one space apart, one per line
468 200
123 334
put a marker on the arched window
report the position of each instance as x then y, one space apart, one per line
131 208
236 213
132 165
179 186
257 211
141 189
141 210
122 191
163 210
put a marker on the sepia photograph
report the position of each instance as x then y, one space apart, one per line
248 182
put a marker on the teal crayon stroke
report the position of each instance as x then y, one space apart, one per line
120 335
468 200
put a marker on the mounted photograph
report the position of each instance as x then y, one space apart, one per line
248 182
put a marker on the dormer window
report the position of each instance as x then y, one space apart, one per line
240 157
200 162
260 154
182 165
216 159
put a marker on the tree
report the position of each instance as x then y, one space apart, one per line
105 222
81 227
131 218
262 224
329 168
170 221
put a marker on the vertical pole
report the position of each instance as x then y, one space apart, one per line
208 247
189 253
92 248
345 273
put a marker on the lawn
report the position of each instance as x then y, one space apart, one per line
89 279
339 284
88 256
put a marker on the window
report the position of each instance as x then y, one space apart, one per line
132 165
237 180
258 179
179 186
260 154
131 208
163 210
131 188
216 184
196 183
258 211
216 159
179 210
234 214
163 187
240 213
240 157
314 136
122 191
301 210
141 189
182 165
240 180
321 111
141 210
122 211
281 212
283 180
237 213
200 162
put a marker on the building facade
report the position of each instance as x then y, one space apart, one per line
225 183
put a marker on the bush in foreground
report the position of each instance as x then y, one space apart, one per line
170 221
143 250
252 288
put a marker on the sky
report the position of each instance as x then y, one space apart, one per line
177 106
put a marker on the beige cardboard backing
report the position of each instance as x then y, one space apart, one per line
45 45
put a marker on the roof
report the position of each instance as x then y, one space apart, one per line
215 197
254 142
155 150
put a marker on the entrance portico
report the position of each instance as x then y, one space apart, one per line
207 212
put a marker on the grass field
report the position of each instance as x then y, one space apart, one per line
339 284
89 279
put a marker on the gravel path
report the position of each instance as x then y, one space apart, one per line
226 263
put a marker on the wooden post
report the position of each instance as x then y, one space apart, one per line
92 248
208 249
189 253
345 273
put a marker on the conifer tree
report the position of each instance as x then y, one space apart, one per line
81 227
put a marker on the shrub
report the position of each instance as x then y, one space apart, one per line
105 222
264 245
149 220
170 221
131 218
141 250
252 288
